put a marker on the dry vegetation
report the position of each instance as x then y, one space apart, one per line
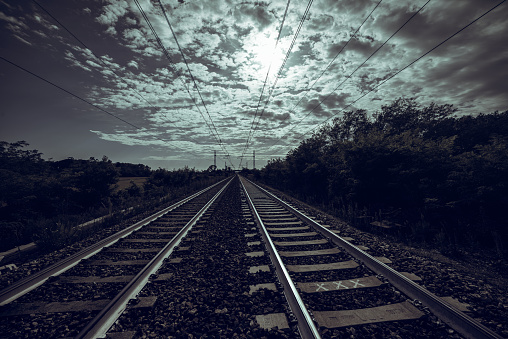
125 182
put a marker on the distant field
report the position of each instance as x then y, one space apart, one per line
125 182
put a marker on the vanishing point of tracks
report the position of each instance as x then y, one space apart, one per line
230 261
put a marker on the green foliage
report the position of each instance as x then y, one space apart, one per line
440 176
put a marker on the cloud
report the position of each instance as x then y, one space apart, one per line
12 20
253 16
336 100
69 56
133 64
319 23
138 138
131 21
22 40
317 110
112 12
275 116
93 63
165 157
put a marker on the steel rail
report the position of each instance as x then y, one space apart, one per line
25 285
98 327
306 324
456 319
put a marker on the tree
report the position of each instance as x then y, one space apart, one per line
425 167
96 182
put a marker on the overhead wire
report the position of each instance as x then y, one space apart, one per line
166 53
309 4
93 53
82 99
352 73
193 79
329 64
266 78
279 73
99 58
408 65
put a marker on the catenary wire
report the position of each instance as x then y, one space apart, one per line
329 64
279 73
266 80
350 75
101 60
93 53
82 99
166 53
221 144
408 65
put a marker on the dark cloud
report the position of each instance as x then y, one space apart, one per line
367 82
362 46
336 100
278 103
482 75
320 22
316 109
436 22
273 116
348 6
257 15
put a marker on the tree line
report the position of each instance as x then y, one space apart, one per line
43 200
434 175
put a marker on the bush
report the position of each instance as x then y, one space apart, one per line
445 177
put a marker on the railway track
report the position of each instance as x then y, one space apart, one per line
87 291
230 261
333 285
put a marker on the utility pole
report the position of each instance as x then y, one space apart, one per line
253 159
215 159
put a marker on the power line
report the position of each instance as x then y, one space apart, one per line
409 65
192 77
285 60
93 53
266 79
80 98
350 75
279 73
166 53
331 62
99 58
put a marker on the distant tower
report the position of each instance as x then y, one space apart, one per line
253 159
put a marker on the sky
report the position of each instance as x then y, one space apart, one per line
89 78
